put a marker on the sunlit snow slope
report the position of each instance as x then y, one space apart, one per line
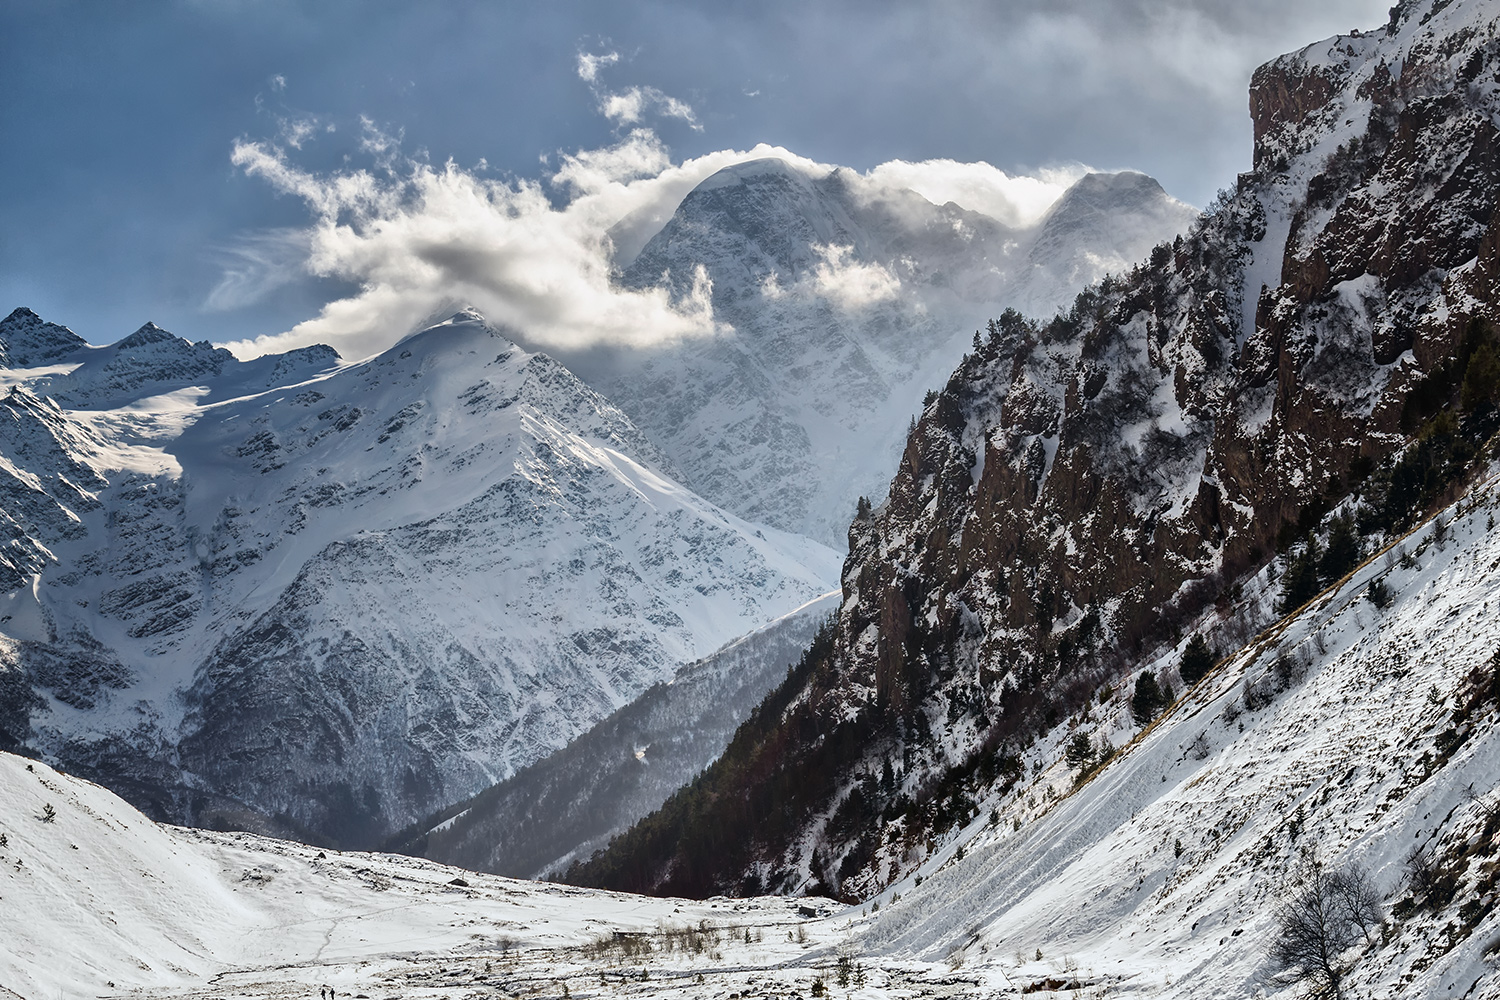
1162 875
334 606
100 901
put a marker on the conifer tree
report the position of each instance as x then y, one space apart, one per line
1147 700
1342 553
1197 660
1299 584
1079 753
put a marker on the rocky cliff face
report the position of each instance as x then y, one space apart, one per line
843 303
326 600
1084 487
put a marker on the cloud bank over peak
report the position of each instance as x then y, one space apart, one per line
538 256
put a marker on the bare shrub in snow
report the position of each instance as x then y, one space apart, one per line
1326 914
1257 694
1290 670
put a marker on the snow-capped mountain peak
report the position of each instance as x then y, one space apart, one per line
328 599
27 341
844 302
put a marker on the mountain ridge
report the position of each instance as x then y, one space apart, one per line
326 599
1084 490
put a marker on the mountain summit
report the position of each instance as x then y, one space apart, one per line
844 301
327 600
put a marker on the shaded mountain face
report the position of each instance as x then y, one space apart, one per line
327 600
569 804
842 303
1082 489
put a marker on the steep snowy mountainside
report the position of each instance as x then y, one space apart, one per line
842 302
337 605
148 359
1351 734
28 341
1084 489
569 804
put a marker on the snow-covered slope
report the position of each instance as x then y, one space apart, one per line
336 605
570 803
100 901
844 301
1374 737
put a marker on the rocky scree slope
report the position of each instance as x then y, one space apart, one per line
330 607
1082 489
841 302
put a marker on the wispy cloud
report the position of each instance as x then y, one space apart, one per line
589 64
257 264
631 105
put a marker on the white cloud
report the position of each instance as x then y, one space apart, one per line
850 284
626 107
417 239
1016 200
631 105
589 64
425 238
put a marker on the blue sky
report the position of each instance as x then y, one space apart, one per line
122 201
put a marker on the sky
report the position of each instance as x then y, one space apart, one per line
266 173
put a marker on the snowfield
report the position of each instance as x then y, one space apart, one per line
1158 877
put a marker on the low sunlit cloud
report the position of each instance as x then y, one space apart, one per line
1016 200
540 258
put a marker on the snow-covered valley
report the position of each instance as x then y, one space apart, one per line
1158 876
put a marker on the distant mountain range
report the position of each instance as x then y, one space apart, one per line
327 600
